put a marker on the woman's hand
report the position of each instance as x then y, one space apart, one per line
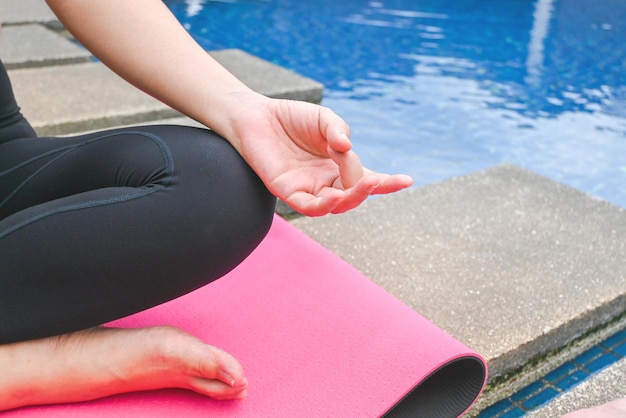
302 152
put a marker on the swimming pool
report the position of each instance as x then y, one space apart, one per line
439 88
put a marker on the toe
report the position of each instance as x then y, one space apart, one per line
219 390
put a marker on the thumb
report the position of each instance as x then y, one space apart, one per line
335 130
350 167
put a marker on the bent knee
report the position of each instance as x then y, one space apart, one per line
220 202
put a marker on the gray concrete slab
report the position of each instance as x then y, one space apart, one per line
80 97
510 263
34 45
74 98
25 11
606 386
270 79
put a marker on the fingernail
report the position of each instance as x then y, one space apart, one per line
226 378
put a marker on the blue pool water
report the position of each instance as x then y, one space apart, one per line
438 88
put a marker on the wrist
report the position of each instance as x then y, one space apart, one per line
234 113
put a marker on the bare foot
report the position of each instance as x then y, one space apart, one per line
100 362
615 409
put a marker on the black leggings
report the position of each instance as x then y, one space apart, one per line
99 226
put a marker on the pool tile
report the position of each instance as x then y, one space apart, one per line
525 392
572 380
588 355
540 398
620 349
560 371
561 379
615 340
601 362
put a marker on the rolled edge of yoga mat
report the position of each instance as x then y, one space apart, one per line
315 338
448 392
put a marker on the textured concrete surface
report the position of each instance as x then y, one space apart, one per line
25 11
73 98
35 45
89 96
606 386
270 79
510 263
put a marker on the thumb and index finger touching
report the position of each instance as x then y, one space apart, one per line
351 170
354 183
339 148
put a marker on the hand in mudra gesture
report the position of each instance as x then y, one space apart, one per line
302 152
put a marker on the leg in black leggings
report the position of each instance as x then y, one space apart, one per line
12 123
99 226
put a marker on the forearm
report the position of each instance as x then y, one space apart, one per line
144 43
300 151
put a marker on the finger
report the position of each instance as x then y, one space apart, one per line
350 167
335 130
316 205
357 194
372 183
392 183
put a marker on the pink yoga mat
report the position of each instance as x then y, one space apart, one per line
316 338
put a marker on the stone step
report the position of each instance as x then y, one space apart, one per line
72 98
510 263
35 45
81 97
25 11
